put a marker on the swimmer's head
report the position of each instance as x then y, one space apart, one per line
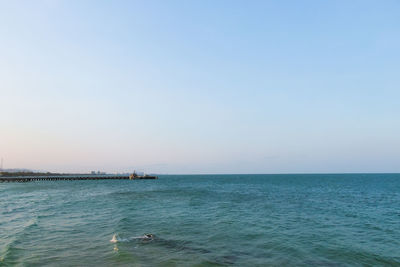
148 237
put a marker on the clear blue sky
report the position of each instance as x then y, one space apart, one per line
200 86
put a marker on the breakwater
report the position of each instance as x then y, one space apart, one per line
23 179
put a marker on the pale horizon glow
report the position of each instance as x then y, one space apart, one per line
200 86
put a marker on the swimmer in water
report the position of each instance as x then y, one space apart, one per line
149 238
145 237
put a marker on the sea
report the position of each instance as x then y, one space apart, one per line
203 220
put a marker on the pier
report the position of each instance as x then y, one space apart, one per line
24 179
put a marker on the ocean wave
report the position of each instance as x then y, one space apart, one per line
6 256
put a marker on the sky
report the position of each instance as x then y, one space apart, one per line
193 87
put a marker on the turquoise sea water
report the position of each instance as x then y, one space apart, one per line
203 220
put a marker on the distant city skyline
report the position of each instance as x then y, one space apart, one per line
185 87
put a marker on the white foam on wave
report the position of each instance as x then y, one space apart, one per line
114 239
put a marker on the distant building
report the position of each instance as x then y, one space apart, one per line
97 173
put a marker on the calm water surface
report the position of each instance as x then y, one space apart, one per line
204 220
